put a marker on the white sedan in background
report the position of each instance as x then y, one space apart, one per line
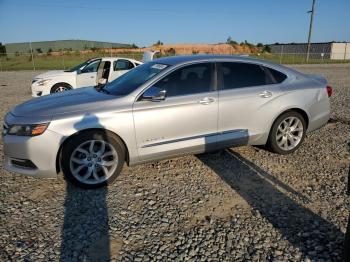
90 73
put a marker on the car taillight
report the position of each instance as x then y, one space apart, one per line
329 91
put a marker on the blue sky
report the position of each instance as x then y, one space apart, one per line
182 21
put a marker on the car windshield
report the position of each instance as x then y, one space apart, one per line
134 78
77 67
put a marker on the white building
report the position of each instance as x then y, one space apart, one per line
326 50
340 51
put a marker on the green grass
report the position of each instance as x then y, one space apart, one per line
48 62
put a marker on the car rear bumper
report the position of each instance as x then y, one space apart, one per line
32 156
318 122
319 114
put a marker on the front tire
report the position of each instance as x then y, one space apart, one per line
287 133
60 87
93 159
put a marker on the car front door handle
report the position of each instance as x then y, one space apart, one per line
265 94
206 100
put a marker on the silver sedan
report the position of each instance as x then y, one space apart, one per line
162 109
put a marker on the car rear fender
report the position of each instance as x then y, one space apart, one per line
318 78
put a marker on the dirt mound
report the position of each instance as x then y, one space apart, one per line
183 49
206 49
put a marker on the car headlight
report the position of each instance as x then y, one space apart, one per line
43 82
27 130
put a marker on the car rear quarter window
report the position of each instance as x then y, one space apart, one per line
238 75
188 80
277 76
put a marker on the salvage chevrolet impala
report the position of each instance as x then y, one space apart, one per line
161 109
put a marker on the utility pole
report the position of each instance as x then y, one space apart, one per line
310 30
31 52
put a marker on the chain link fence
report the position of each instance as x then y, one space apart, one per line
301 58
65 60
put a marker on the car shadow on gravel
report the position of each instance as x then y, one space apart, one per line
314 236
85 234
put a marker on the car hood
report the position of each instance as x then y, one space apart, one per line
76 100
53 73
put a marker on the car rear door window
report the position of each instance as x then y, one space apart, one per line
122 64
192 79
238 75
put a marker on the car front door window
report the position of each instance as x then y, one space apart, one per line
92 67
192 79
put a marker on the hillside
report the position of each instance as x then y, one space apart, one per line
71 45
84 46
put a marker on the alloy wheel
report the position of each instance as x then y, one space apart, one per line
60 89
93 162
289 133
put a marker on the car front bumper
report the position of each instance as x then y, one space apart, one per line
32 156
39 90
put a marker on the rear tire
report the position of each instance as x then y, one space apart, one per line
60 87
93 159
287 133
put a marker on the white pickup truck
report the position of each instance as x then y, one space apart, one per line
90 73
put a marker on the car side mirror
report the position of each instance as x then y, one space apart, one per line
82 71
154 94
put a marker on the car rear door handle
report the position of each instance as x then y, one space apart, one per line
265 94
207 100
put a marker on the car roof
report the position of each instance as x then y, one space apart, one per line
183 59
174 60
113 58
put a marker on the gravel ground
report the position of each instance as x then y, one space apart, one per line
237 205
